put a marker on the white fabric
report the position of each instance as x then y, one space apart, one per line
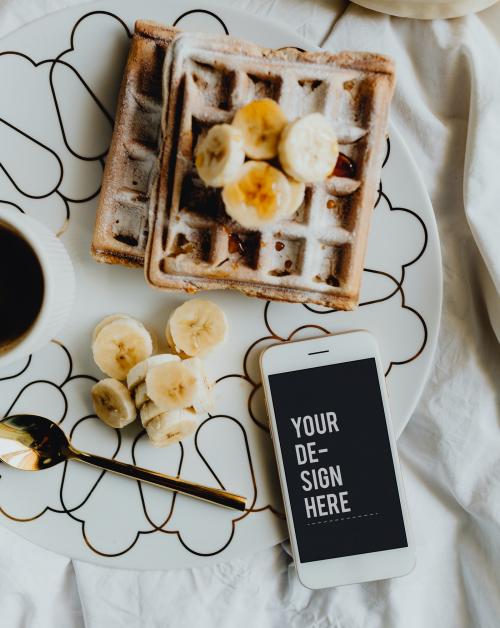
447 107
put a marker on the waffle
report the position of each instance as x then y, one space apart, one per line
315 257
121 227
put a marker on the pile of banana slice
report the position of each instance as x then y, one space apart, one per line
255 192
169 390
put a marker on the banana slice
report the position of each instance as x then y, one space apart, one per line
259 195
113 403
219 155
105 321
260 123
171 386
120 345
154 339
115 317
170 340
308 148
148 412
171 427
203 400
196 327
138 373
140 395
298 190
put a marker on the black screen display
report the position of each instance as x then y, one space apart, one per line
338 462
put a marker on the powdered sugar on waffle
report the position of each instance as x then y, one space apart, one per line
317 255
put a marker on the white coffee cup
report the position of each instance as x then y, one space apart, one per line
58 285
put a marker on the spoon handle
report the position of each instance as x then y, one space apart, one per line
206 493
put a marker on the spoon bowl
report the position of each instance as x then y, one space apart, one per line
33 443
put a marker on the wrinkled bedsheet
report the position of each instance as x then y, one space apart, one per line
447 107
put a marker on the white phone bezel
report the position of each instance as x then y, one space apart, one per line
305 354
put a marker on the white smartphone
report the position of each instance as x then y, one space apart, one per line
337 460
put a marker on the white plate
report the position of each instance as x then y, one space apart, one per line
54 131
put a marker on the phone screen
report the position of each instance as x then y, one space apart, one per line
338 461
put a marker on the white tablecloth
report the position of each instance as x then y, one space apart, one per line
447 107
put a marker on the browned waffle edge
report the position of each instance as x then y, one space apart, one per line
104 248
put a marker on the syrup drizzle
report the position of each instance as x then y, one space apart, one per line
235 244
344 167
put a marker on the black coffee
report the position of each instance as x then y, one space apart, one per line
21 286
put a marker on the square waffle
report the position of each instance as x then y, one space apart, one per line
315 257
121 227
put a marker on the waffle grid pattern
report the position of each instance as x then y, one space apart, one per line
311 253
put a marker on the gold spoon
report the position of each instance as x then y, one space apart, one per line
33 443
